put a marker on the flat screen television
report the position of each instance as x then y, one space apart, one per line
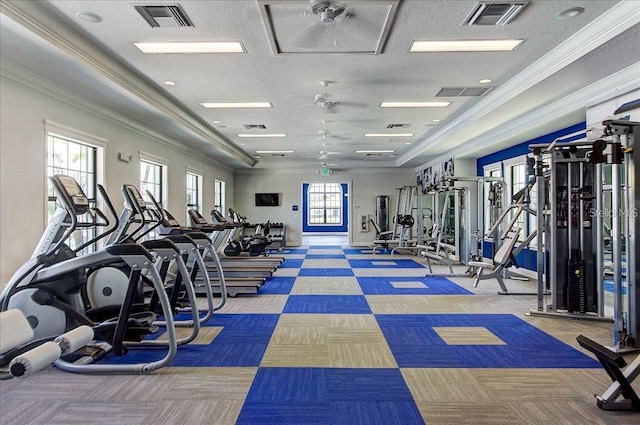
267 199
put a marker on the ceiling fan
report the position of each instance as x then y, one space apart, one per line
327 101
328 11
325 134
323 155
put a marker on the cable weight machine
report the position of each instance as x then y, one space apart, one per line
573 208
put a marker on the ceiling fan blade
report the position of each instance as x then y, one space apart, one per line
339 137
354 104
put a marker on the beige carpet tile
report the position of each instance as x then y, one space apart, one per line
329 263
334 285
468 336
264 304
205 336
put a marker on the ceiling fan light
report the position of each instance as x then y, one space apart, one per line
327 16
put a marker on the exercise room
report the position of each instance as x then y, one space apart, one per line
319 212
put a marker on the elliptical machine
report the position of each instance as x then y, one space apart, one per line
48 288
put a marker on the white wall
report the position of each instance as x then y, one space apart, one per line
23 111
365 186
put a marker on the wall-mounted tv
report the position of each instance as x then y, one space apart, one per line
267 199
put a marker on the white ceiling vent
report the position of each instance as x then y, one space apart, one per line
165 16
255 126
494 13
396 126
463 91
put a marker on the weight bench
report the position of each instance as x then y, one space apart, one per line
434 254
383 239
501 260
622 379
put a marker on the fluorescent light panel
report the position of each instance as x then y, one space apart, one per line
389 135
376 151
191 47
414 104
275 152
222 105
252 135
465 45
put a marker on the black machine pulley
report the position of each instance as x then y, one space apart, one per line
406 221
597 154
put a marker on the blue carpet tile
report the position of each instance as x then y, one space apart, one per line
414 343
356 251
241 343
325 272
278 285
297 251
432 286
385 264
327 304
325 257
292 263
329 396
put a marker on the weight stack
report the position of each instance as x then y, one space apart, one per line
576 290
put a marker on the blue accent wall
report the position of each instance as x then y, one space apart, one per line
523 148
527 258
324 228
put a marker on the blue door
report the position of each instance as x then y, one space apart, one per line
325 207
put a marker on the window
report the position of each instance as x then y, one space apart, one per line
516 181
152 180
219 196
79 160
194 192
325 203
491 170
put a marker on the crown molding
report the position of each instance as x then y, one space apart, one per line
618 19
36 82
617 84
34 17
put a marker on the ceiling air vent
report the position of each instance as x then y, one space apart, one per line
255 126
463 91
494 13
392 126
165 16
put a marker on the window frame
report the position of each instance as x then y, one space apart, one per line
96 146
488 171
508 165
163 165
337 196
199 181
219 194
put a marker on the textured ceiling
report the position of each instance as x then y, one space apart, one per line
286 59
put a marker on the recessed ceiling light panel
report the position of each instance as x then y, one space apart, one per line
500 45
222 105
389 135
414 104
191 47
274 152
257 135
